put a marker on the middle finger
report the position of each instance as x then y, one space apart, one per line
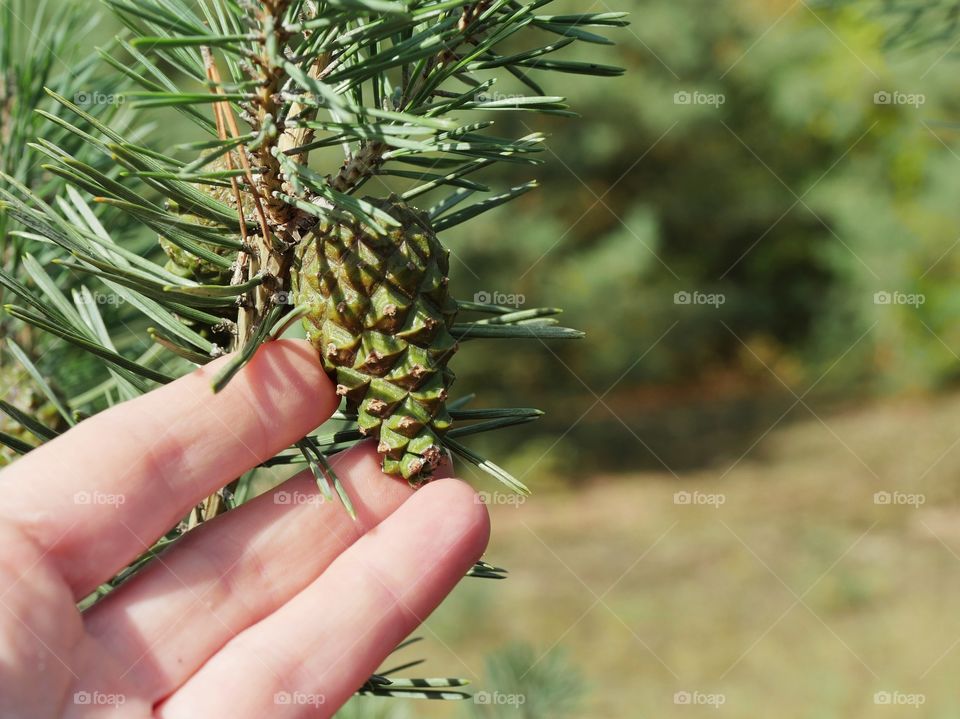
235 570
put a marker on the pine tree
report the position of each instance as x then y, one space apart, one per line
258 226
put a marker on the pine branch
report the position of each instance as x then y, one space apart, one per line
404 89
284 80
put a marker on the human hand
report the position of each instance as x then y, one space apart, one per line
267 600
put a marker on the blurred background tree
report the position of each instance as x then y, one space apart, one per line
797 194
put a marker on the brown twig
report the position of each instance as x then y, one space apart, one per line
254 258
366 162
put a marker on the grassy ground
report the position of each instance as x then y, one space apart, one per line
798 596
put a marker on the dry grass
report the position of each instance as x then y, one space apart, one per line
798 597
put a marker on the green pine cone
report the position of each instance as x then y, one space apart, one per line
185 264
379 313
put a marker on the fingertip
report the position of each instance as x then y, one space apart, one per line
463 511
299 353
373 493
290 370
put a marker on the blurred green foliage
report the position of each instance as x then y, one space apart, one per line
783 186
798 197
523 683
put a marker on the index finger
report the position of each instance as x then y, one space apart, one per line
96 496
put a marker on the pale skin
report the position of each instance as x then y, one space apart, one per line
284 598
